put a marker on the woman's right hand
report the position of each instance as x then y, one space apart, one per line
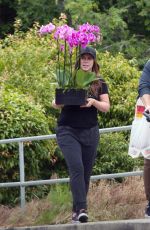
55 106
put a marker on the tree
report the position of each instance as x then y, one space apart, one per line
7 15
29 12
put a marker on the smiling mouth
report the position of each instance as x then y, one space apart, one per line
85 66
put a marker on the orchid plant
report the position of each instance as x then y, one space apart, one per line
69 41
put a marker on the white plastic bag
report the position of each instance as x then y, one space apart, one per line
139 144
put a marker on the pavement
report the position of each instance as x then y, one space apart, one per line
136 224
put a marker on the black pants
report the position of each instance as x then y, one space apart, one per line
147 178
79 147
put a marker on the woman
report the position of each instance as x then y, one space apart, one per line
78 134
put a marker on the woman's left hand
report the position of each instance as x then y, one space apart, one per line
90 102
102 104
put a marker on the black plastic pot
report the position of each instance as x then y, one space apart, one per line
70 96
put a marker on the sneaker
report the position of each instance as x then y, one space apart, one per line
75 218
83 216
147 210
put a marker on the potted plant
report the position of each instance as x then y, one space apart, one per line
72 84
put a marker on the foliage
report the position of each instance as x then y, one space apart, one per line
27 74
122 77
113 27
59 198
125 24
14 108
139 10
121 22
79 12
21 117
7 15
107 200
29 67
112 155
84 79
28 12
131 50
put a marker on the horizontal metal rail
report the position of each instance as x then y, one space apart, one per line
66 180
53 136
22 183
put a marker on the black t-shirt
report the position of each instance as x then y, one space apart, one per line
77 117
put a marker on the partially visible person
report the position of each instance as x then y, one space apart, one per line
144 94
78 134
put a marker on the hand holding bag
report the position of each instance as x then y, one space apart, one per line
139 144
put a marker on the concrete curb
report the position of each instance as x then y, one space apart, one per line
137 224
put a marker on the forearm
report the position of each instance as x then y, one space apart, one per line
102 106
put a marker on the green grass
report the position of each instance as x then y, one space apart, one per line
60 202
107 200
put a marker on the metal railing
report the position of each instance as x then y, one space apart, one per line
22 183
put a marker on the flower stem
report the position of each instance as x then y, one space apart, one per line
65 57
71 65
58 56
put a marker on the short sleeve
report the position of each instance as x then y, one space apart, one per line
104 87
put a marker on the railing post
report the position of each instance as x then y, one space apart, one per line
22 174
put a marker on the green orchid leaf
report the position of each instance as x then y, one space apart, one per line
80 79
84 79
63 78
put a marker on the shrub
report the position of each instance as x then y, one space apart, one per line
19 117
112 155
122 77
27 73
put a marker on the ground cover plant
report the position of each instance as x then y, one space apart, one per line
107 200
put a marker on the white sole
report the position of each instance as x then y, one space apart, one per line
75 222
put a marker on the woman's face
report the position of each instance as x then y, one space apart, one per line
86 62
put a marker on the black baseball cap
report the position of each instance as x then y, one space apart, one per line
88 50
